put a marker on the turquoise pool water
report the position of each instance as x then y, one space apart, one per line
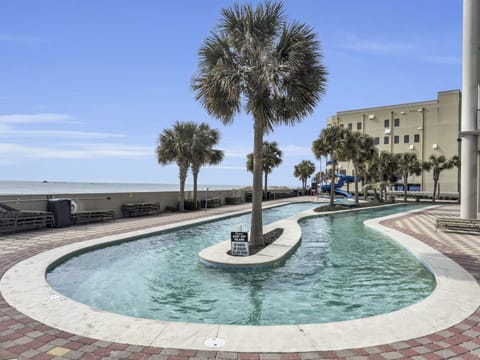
340 271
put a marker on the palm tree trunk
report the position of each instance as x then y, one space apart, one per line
266 188
436 177
380 181
195 187
183 177
356 185
332 182
256 229
355 179
405 185
364 186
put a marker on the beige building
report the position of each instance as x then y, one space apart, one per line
425 128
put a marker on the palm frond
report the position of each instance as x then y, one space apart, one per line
258 62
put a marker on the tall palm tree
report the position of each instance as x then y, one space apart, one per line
408 165
202 152
175 145
330 143
272 158
359 148
303 171
438 164
257 61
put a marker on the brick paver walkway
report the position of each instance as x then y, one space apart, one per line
24 338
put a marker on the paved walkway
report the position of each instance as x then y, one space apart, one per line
24 338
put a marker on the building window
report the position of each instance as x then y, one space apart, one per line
396 122
406 139
377 141
385 140
416 138
396 139
350 127
342 125
386 123
359 126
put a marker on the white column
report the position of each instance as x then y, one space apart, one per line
478 127
470 78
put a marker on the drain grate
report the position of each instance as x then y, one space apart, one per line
214 343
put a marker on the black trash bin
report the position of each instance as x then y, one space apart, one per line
62 213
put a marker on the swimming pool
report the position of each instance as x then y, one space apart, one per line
340 271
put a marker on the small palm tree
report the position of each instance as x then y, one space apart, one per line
257 61
456 161
382 169
303 171
438 164
202 152
272 158
319 176
359 148
330 143
408 165
175 145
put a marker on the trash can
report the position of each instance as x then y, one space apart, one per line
61 209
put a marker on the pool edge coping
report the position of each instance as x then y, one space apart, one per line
457 288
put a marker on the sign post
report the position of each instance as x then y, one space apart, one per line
239 243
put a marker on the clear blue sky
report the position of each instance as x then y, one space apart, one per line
86 86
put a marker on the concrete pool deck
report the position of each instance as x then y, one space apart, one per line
28 338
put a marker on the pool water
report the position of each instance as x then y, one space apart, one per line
340 271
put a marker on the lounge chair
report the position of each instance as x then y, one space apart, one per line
89 216
211 203
12 220
457 224
140 209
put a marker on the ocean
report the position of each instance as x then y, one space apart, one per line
54 187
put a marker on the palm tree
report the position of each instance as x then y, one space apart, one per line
175 145
382 169
330 143
202 152
319 176
303 171
257 61
438 164
408 165
456 161
272 158
359 148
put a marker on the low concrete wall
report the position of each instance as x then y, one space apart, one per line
114 201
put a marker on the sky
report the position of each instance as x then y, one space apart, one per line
87 86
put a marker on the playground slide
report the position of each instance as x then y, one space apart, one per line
325 188
343 193
338 186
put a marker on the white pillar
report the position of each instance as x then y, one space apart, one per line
476 20
470 79
478 127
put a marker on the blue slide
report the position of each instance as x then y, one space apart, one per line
338 186
343 193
